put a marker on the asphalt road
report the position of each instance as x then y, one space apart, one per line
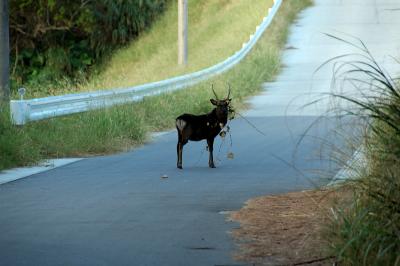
117 210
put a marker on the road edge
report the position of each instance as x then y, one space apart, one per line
13 174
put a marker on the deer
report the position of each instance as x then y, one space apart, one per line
203 127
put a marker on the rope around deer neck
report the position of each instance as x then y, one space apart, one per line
251 124
228 130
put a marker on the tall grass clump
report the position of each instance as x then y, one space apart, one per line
16 147
366 231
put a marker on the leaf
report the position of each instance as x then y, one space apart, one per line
51 4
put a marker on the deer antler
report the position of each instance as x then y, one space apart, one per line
229 91
212 88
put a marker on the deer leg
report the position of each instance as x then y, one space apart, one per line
179 149
210 143
180 126
179 153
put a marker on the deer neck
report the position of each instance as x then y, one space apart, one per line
221 117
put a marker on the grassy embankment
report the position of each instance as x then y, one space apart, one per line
217 29
365 230
119 128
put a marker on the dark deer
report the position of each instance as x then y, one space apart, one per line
199 127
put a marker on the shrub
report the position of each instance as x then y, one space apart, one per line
50 39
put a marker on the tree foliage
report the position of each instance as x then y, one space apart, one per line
53 38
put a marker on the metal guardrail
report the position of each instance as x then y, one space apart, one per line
348 172
23 111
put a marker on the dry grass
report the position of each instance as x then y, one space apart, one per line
285 229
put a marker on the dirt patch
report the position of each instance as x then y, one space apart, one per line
285 229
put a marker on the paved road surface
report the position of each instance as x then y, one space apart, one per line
117 210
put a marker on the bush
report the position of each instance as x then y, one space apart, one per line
51 39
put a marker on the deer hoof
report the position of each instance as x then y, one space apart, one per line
211 165
179 166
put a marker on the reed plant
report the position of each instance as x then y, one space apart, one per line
366 230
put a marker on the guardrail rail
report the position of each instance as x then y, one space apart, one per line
23 111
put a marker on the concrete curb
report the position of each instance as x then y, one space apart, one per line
21 172
349 171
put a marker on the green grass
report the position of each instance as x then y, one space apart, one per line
366 231
217 29
120 128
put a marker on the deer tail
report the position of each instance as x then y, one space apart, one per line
180 124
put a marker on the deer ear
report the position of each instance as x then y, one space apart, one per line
214 102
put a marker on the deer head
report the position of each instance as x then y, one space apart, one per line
222 105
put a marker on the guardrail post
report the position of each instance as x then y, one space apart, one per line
19 111
182 31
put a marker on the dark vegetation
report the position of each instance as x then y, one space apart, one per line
366 231
52 41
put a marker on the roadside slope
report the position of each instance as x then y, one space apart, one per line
216 29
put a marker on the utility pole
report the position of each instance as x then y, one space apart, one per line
4 52
182 31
